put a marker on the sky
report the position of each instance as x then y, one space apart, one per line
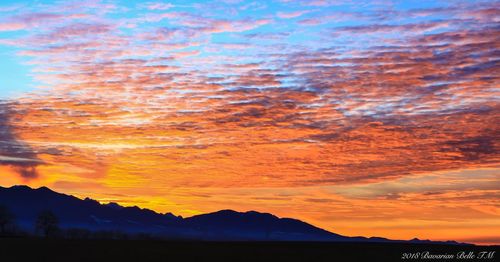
372 118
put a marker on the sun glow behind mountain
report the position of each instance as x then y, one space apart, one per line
372 118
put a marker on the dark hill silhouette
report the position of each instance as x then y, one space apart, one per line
26 203
229 224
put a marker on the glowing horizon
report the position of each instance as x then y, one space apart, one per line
373 118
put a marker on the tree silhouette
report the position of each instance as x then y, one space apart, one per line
6 218
47 223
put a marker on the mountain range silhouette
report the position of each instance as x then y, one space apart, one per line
226 225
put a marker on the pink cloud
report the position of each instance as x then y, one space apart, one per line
25 21
11 26
219 26
159 6
286 15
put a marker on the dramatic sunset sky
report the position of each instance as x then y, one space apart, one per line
373 118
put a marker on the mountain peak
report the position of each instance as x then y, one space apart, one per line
114 205
44 189
234 212
22 187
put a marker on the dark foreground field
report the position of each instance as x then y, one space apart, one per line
35 249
